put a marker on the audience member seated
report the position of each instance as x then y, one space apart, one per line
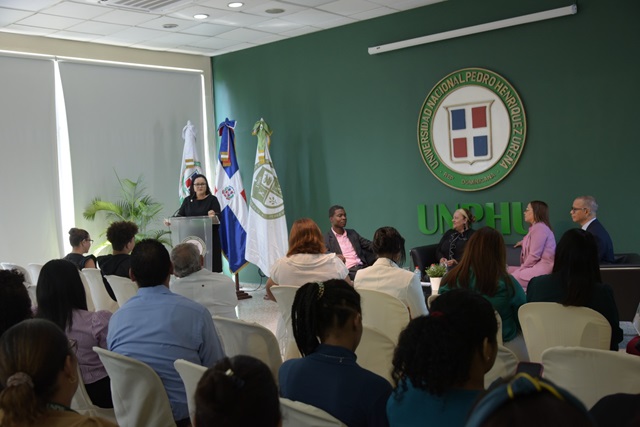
529 402
80 244
451 246
39 370
122 236
483 269
240 391
385 275
306 261
583 212
62 300
617 410
353 249
440 361
575 281
538 246
215 291
327 325
15 304
158 327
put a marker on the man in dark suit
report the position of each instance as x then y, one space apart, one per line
354 250
583 213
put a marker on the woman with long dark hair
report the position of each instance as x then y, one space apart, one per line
483 268
39 373
327 326
576 281
62 300
440 361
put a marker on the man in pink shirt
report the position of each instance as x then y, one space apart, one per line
349 246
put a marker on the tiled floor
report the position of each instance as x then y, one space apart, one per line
257 309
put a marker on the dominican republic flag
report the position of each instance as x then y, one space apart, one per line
190 162
267 235
470 132
233 201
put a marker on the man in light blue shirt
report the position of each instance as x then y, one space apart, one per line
157 326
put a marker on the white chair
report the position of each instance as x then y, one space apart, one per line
505 366
81 403
139 398
285 295
375 353
123 287
240 337
590 374
383 312
87 290
34 272
298 414
99 295
549 324
12 266
190 374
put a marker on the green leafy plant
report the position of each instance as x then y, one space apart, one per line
436 270
135 206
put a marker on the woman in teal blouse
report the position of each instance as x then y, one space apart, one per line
483 268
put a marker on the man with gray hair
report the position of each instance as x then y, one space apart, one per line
215 291
583 212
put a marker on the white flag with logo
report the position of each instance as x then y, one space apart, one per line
267 235
190 162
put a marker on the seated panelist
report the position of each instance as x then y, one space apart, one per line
451 246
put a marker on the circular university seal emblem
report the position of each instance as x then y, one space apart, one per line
472 129
198 242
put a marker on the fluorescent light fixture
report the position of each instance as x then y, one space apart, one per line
200 16
482 28
235 4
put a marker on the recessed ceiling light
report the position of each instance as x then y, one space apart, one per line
200 16
169 25
235 4
274 11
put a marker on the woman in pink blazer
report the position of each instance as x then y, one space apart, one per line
538 246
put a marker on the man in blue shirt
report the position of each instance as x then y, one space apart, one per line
158 327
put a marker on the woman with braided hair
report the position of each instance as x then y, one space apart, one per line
440 361
39 373
327 326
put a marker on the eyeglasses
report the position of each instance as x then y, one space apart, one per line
199 185
73 346
88 240
577 209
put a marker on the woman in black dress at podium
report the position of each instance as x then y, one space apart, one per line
201 203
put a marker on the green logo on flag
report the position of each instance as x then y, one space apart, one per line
266 195
472 129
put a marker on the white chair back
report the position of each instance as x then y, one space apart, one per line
375 353
34 272
298 414
190 374
284 296
240 337
101 299
549 324
590 374
505 366
87 290
139 398
383 312
123 287
12 266
81 403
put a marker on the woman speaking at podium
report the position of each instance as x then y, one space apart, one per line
201 202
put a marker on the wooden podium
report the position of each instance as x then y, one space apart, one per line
203 232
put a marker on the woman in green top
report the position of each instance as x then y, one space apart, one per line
483 268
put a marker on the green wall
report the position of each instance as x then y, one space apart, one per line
345 122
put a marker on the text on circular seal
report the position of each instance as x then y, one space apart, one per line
472 129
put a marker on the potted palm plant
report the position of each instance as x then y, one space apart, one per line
135 206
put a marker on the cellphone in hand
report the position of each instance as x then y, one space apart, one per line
533 369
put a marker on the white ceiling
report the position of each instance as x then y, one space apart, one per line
225 30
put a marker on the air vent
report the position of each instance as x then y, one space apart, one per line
161 6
